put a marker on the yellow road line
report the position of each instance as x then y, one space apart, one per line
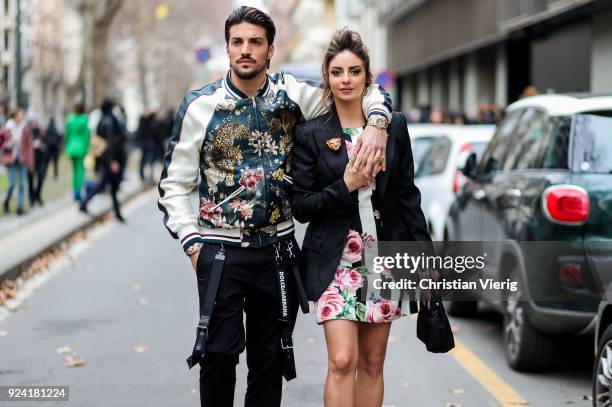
494 384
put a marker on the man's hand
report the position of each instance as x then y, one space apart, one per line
372 143
193 252
194 260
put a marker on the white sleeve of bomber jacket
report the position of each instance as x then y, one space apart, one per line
308 94
181 168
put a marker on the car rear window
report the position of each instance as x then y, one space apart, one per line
420 147
592 143
436 158
555 155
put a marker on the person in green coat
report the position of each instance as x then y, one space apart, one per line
77 145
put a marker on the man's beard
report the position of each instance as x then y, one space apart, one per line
249 74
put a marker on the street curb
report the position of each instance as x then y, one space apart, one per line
15 271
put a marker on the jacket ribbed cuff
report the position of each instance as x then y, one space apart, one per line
188 236
380 112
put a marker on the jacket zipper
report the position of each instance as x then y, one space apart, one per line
230 196
266 186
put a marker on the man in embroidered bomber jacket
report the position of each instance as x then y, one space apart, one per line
236 134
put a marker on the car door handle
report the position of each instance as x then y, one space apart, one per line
480 194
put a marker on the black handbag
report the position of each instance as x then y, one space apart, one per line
433 328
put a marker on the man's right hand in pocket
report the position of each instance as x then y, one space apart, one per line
194 252
194 260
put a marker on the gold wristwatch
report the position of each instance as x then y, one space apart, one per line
378 121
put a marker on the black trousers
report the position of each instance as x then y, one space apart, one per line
53 157
36 179
248 284
147 159
107 177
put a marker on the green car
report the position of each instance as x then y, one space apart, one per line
543 186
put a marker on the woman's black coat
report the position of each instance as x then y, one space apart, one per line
321 197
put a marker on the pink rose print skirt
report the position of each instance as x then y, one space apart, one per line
344 299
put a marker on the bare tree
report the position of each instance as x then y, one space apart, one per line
98 16
73 89
163 46
104 13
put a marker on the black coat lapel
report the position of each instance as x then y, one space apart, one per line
336 160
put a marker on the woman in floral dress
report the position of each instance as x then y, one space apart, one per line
349 211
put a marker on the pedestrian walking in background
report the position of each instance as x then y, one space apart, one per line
238 133
77 146
486 113
19 158
349 210
160 128
36 177
112 161
169 125
529 91
145 137
54 145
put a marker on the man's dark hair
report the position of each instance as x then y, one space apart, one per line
251 15
107 106
79 108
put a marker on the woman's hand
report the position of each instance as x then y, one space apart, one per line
358 175
426 294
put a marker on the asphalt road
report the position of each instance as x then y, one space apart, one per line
124 301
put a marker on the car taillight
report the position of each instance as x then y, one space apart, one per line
456 185
459 179
570 274
466 147
566 204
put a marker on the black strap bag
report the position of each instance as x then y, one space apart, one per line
207 303
433 328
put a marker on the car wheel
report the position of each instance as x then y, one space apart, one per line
602 372
461 308
526 347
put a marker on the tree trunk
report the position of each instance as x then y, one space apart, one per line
78 86
100 64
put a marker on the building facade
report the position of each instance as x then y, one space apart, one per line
304 29
363 17
458 54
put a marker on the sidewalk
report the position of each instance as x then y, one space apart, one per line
24 238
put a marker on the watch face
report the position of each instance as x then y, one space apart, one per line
379 122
